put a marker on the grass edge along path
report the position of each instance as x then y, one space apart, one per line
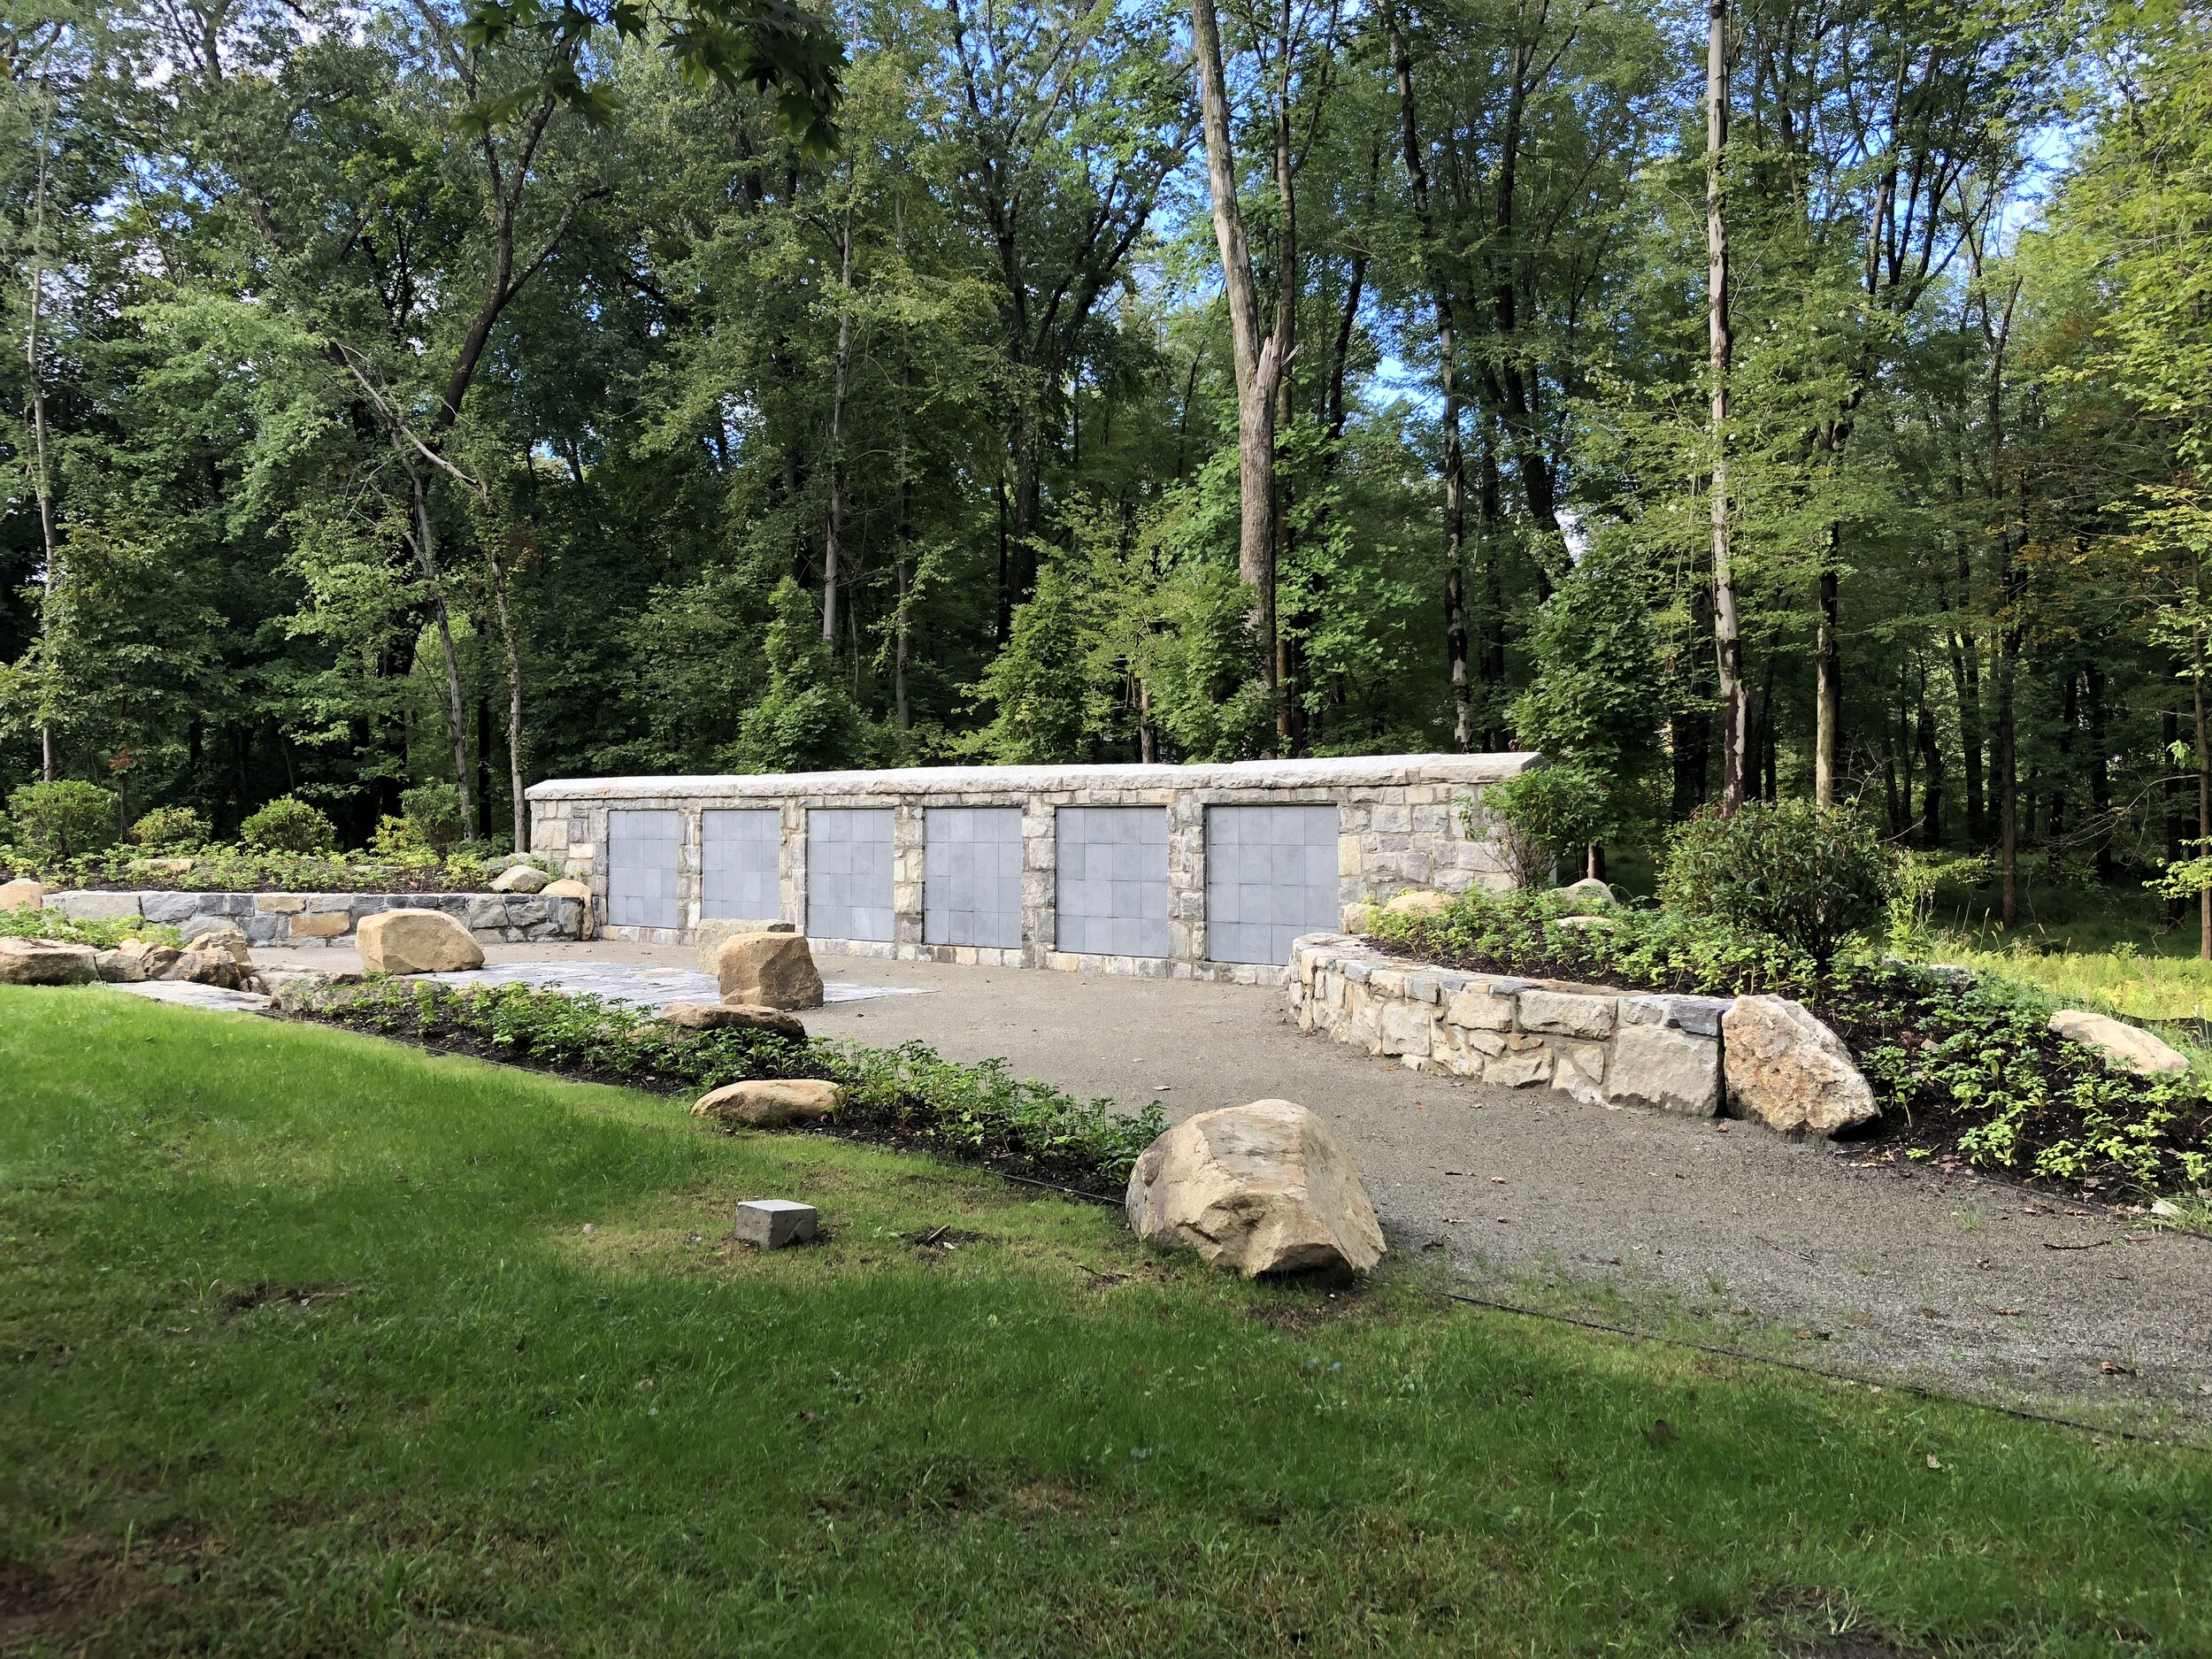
308 1349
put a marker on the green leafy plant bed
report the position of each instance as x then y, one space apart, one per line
247 870
1968 1074
905 1097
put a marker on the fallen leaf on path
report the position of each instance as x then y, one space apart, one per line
2112 1369
2008 1312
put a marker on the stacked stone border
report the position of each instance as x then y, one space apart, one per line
1602 1046
1401 824
309 920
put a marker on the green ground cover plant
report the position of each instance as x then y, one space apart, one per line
1966 1072
101 935
229 868
904 1096
314 1343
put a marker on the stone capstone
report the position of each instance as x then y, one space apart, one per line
1673 1070
92 905
46 962
1790 1072
22 895
416 941
1261 1189
770 1103
2120 1044
769 970
520 879
732 1016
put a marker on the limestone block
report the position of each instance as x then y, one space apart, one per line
1567 1014
407 940
280 903
1519 1068
1658 1066
1790 1072
1578 1070
97 907
2120 1044
1405 1029
768 969
45 962
1477 1009
770 1103
1260 1189
320 925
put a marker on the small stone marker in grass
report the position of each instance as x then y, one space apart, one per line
773 1222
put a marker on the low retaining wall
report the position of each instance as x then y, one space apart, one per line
1029 866
307 920
1604 1046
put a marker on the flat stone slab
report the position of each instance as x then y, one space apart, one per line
773 1222
188 994
627 982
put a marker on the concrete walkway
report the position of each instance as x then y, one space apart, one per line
1722 1232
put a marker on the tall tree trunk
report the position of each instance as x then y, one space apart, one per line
1447 380
2099 769
840 380
2204 776
1931 767
1737 755
2176 787
2008 779
1259 360
1489 511
1828 680
425 550
42 476
514 703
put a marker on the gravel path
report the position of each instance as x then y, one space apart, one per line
1723 1233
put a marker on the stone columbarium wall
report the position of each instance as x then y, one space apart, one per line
1761 1056
1184 871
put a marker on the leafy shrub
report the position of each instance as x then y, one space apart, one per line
1810 876
399 841
101 935
431 813
289 825
170 826
1547 815
907 1095
54 821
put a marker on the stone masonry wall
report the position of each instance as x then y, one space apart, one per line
1400 825
308 920
1602 1046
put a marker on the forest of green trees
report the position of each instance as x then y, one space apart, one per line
1795 397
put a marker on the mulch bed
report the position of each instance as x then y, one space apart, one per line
1930 1122
903 1128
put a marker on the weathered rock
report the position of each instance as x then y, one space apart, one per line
732 1016
23 894
1656 1066
566 888
2123 1045
297 990
520 879
1588 895
1790 1072
46 962
771 1223
709 937
416 941
771 1103
768 971
93 905
1568 1014
1262 1188
120 967
1418 902
230 938
216 967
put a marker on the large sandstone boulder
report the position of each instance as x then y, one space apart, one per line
1790 1072
227 938
732 1016
2121 1043
1587 896
416 941
22 895
709 936
768 971
566 888
1262 1188
1417 902
46 962
198 966
770 1103
520 879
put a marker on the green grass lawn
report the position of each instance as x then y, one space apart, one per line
307 1348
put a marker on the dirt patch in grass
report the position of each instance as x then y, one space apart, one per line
88 1582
